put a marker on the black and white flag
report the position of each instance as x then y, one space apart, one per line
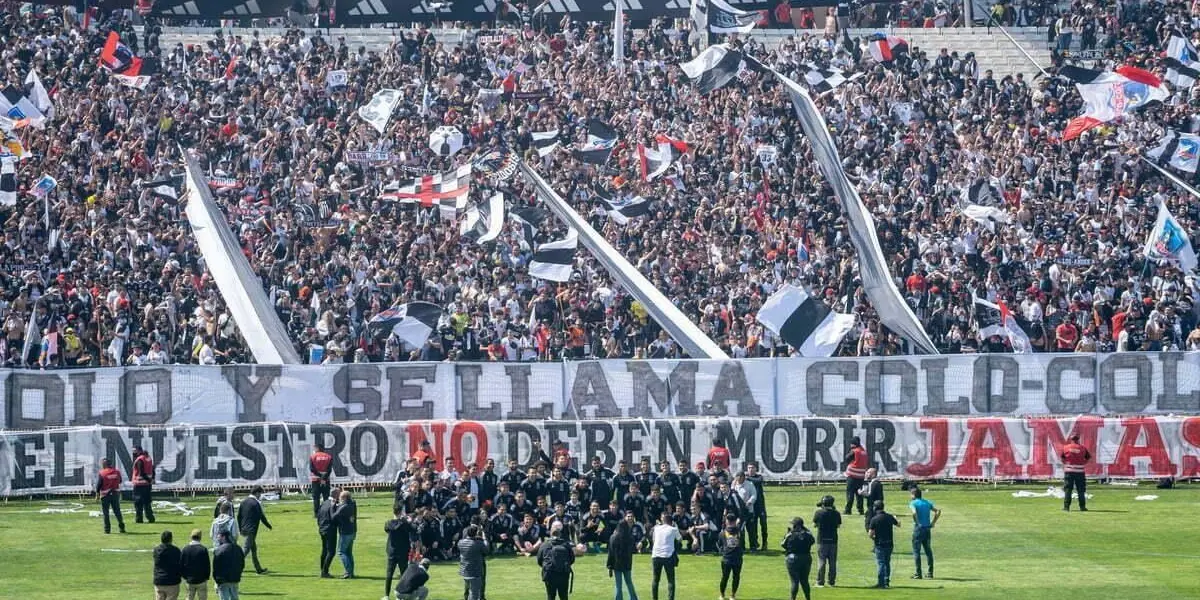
8 181
996 319
804 322
554 261
1179 150
653 163
531 219
717 66
601 139
621 210
719 17
484 223
1182 62
823 80
545 142
14 104
378 111
983 192
412 322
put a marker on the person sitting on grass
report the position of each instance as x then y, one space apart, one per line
529 537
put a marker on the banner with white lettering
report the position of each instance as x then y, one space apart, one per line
1124 383
809 449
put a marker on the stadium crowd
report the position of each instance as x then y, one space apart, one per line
110 273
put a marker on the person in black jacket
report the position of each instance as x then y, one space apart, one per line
166 568
228 562
797 549
620 557
328 531
828 520
399 541
250 515
346 520
555 558
872 490
412 582
732 543
194 567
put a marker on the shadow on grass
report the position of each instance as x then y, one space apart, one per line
1104 510
956 579
241 593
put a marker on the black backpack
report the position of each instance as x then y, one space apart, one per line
558 560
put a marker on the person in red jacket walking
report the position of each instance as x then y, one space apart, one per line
143 479
108 489
856 474
1075 458
320 467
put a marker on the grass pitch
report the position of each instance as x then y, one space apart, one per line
988 545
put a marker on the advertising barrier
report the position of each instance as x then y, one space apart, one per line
959 385
807 449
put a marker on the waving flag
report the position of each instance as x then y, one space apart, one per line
484 223
804 322
601 139
1182 62
545 142
717 66
448 190
1109 95
621 210
996 319
984 192
653 163
125 67
1180 150
717 16
1168 242
554 261
823 80
38 96
413 322
20 108
887 48
8 181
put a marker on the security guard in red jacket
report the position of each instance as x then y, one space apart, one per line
143 479
320 467
856 474
108 488
1075 458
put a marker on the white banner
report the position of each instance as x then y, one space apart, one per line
810 449
378 111
959 385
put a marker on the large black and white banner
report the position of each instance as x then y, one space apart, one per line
960 385
787 449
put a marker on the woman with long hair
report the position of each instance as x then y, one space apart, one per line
797 548
620 557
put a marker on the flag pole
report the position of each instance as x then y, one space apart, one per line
1165 173
1021 49
668 316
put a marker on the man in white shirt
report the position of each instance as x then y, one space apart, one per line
662 554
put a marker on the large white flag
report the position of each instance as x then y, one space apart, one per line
378 111
1168 242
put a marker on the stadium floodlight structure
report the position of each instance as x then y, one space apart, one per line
681 328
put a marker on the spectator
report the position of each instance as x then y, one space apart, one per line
195 568
228 562
166 569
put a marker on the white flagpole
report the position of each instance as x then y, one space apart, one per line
1179 182
619 36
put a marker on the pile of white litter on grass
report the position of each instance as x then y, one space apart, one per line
59 507
1051 492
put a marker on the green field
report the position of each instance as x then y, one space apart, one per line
988 545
